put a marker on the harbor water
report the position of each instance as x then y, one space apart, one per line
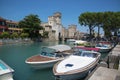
15 55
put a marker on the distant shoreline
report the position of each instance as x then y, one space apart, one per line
14 41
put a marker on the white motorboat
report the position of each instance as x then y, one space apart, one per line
6 73
71 40
77 42
76 66
103 48
49 56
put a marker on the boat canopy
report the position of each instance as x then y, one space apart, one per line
61 48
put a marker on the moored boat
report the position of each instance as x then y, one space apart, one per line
76 66
80 42
70 40
88 48
103 48
6 73
49 56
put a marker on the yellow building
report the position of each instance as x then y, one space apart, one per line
13 26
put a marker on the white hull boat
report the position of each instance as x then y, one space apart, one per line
103 48
40 63
76 66
6 73
70 40
77 42
48 57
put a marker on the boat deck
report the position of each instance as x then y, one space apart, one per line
74 62
38 58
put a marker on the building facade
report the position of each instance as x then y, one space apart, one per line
72 29
13 26
3 25
54 26
48 29
55 22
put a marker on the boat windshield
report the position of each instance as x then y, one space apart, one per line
78 52
98 45
85 54
2 66
48 52
88 54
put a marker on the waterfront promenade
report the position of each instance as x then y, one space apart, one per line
109 70
14 41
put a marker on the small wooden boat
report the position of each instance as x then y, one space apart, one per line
76 66
49 56
5 71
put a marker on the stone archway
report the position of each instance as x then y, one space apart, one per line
59 36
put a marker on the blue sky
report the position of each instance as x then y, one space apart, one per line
16 10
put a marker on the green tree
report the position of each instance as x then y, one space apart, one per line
31 25
109 21
45 34
24 35
115 22
107 24
5 35
88 19
99 21
14 35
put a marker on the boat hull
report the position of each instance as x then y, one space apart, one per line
6 73
104 50
74 76
8 76
42 65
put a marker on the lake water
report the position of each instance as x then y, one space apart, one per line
15 55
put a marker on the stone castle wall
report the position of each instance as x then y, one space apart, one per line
57 30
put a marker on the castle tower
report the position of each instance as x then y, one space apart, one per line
55 22
51 20
57 16
72 30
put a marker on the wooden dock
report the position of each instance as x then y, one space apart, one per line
109 68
